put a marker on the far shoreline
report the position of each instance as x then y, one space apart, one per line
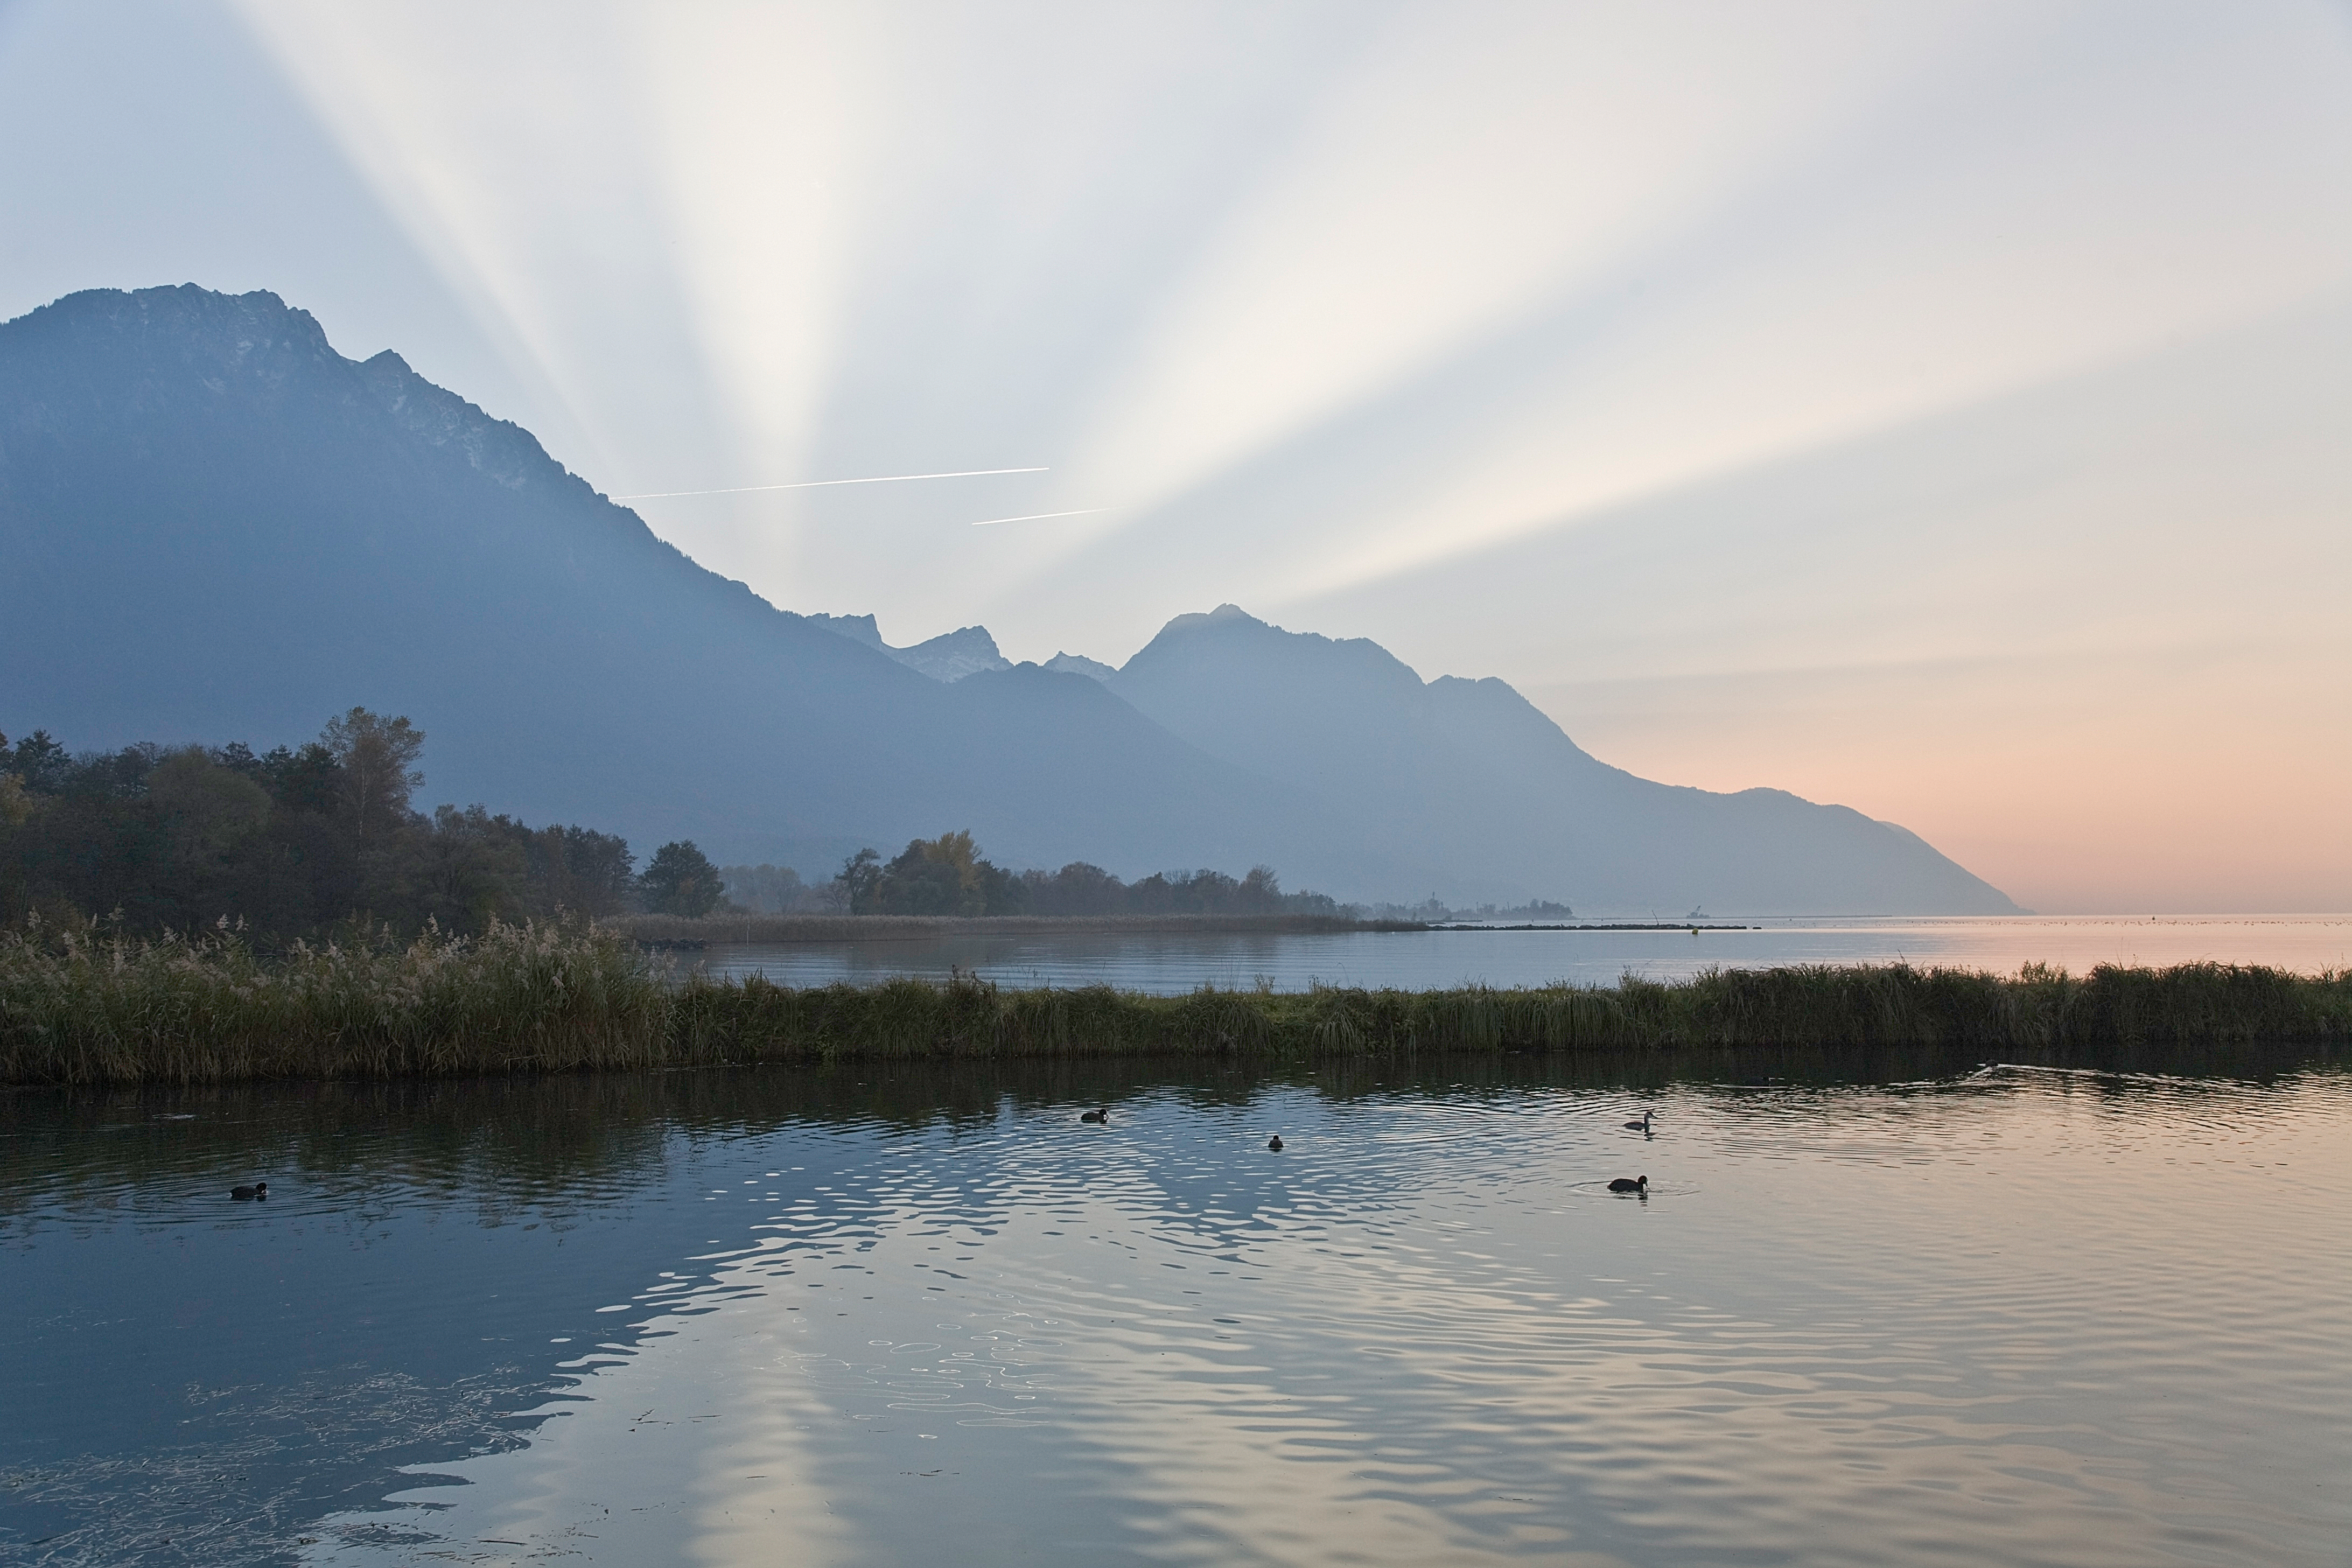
676 933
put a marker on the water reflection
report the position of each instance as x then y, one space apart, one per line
2029 1314
1175 963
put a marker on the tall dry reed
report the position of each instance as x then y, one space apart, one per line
77 1006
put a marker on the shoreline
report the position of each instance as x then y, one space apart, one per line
562 999
675 933
663 932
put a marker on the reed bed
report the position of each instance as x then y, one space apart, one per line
79 1008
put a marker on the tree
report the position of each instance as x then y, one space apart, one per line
309 780
861 879
581 869
946 876
475 868
680 880
768 889
40 762
206 808
378 757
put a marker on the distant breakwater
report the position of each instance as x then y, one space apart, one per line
78 1009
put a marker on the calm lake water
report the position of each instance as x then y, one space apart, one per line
1169 964
1870 1312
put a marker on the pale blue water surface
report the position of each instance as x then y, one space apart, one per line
1168 962
1871 1312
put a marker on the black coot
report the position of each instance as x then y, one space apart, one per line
1275 1142
1095 1116
1630 1185
247 1195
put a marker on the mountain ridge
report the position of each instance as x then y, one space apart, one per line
221 526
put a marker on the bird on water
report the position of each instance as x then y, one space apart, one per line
1095 1116
1275 1142
1630 1185
247 1195
1642 1126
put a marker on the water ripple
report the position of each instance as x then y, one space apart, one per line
2023 1316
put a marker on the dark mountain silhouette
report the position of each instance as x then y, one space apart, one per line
1470 774
215 526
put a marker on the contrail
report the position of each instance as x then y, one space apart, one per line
1035 516
820 484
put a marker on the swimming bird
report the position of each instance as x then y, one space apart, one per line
1642 1126
1275 1142
1636 1185
247 1195
1095 1116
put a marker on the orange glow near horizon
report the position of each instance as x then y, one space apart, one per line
1937 410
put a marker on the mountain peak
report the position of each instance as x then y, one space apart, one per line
237 328
1223 616
1079 664
857 629
949 657
181 469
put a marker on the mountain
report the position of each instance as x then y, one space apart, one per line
1468 774
949 657
216 527
1079 664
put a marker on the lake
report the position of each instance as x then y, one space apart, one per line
1168 962
1927 1312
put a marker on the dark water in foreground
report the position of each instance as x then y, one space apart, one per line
922 1315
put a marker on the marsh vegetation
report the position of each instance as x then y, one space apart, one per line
82 1005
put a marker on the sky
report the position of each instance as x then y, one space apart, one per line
1941 410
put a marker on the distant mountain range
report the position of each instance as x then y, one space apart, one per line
216 527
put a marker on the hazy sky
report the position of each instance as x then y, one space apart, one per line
1942 410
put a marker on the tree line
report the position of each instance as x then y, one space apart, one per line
949 876
298 840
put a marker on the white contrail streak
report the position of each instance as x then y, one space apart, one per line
1035 516
820 484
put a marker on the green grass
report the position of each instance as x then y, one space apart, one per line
78 1008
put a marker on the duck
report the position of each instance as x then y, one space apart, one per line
1630 1185
1275 1142
248 1194
1642 1126
1103 1116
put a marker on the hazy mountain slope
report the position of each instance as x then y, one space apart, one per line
1469 775
951 656
1079 664
215 526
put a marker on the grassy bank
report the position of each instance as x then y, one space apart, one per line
76 1009
671 930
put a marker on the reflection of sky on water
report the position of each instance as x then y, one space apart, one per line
2027 1317
1424 1334
1174 963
